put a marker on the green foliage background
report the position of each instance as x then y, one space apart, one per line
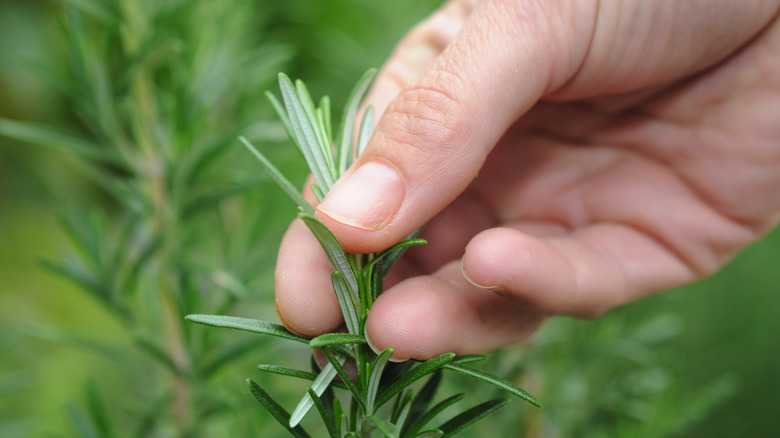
700 361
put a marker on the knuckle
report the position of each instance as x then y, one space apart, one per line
430 118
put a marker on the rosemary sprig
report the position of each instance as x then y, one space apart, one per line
356 282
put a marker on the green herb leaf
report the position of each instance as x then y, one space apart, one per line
319 386
289 372
376 375
398 246
348 307
246 324
82 422
423 398
279 178
429 415
50 137
304 134
97 410
275 409
323 116
282 113
387 261
155 352
313 115
470 416
336 361
345 150
492 379
468 358
317 191
299 374
330 339
338 413
78 274
366 129
412 376
334 251
401 412
326 412
387 429
345 282
433 433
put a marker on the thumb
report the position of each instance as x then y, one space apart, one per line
435 135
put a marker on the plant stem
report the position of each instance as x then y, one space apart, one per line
177 351
165 222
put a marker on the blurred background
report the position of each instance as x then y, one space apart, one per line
125 203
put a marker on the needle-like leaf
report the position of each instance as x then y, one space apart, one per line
366 129
470 416
289 372
387 261
387 429
347 129
338 259
279 178
282 113
299 374
341 418
468 358
373 381
430 414
317 191
424 398
314 117
334 251
397 247
492 379
412 376
50 137
319 386
323 116
401 412
246 324
305 134
336 361
348 307
330 339
326 412
434 433
275 409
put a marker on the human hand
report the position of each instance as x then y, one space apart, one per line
568 157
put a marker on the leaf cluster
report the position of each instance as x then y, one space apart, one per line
357 281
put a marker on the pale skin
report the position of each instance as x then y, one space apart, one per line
567 156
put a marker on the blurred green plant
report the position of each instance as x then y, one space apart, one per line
612 377
161 90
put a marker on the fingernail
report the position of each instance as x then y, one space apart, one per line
367 199
378 351
496 288
279 314
372 346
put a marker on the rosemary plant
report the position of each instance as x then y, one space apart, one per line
382 399
156 93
